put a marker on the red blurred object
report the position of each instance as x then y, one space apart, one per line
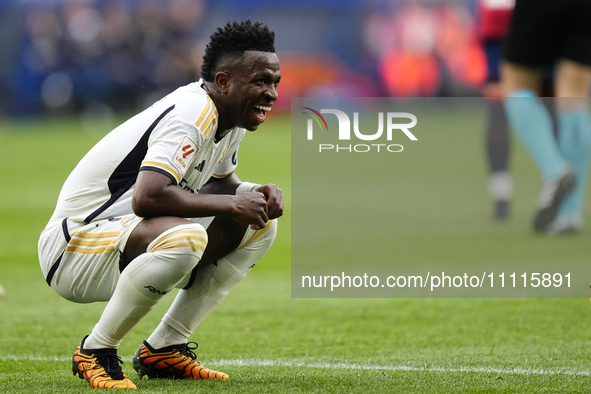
493 18
318 74
406 74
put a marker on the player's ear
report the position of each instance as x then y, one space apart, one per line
222 82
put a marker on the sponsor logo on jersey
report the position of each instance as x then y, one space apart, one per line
183 184
184 154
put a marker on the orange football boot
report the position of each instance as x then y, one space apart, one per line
172 362
101 368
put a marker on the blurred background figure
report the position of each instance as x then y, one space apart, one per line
542 32
99 57
94 56
425 49
493 18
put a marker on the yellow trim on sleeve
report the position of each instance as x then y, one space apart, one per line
222 176
162 166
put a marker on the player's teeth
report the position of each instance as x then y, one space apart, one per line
263 108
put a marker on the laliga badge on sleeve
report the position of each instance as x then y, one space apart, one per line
184 154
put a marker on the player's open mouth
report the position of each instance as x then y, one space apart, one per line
260 112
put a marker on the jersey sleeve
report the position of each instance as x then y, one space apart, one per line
230 160
172 146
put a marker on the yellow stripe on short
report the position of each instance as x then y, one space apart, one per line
91 243
162 166
89 251
95 235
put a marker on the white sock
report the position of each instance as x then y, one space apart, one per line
500 186
169 258
212 284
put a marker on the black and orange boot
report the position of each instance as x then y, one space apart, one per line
100 367
172 362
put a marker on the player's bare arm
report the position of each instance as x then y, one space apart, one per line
155 195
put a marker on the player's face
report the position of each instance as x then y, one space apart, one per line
254 88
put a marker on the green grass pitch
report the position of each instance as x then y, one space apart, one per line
266 341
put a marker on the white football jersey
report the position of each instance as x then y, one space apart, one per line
175 136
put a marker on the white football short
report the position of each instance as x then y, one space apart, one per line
82 262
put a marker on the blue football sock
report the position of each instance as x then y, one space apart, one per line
532 123
574 139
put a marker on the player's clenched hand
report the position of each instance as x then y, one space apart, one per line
251 208
274 199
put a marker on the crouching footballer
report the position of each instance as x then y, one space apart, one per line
155 205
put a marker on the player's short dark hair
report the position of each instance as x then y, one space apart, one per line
233 40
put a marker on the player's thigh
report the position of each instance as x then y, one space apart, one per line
91 263
573 80
516 77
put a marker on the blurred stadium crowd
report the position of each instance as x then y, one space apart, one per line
68 56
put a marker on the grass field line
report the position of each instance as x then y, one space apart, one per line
341 365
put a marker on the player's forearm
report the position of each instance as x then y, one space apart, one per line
155 195
173 201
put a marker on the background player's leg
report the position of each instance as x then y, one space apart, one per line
574 137
500 183
532 123
530 119
172 248
212 282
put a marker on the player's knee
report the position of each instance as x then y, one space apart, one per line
184 244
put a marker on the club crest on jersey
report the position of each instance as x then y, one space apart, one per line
126 221
184 154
